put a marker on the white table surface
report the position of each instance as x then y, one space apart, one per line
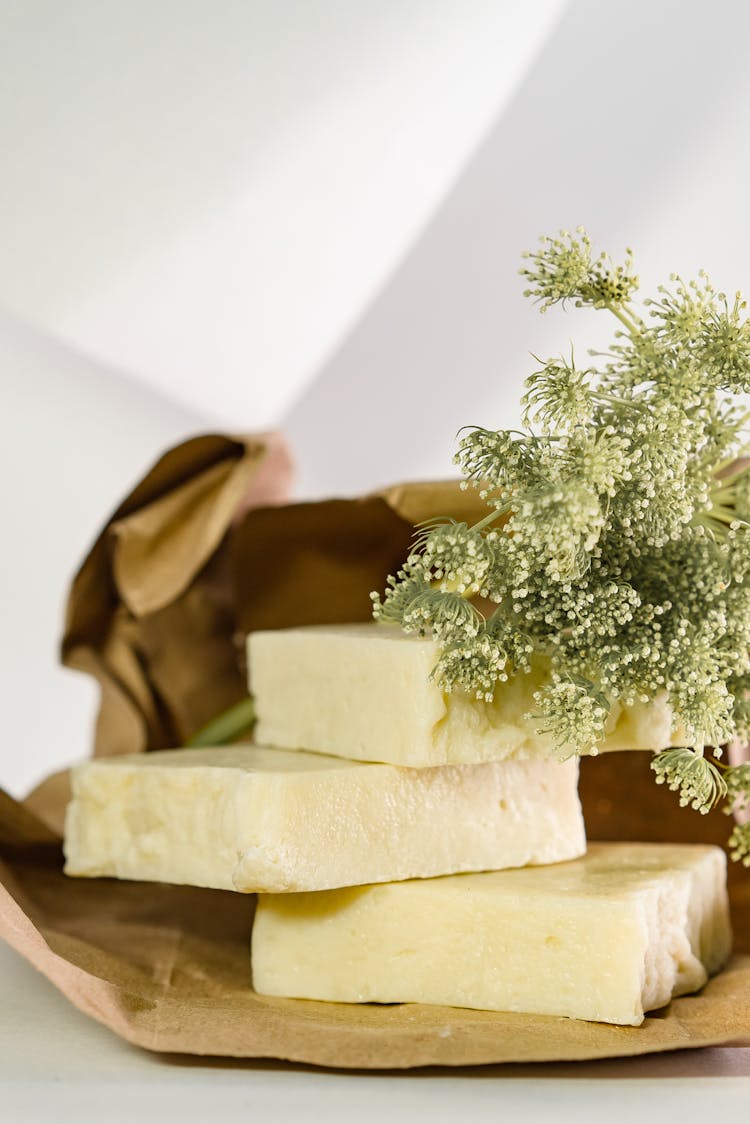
57 1065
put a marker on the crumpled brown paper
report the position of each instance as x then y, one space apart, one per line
183 569
150 613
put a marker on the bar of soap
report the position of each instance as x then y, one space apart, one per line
364 691
606 937
255 819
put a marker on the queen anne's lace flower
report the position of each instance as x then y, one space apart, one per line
616 545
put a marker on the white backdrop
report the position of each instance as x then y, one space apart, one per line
310 215
208 194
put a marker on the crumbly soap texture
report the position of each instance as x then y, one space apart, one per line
606 937
364 691
256 819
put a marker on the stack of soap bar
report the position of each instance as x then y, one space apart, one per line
357 848
255 819
605 937
364 691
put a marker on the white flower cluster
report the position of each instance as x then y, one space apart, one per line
565 269
616 544
573 712
698 780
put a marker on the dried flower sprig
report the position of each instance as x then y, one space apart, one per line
616 544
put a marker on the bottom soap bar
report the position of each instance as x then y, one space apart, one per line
606 937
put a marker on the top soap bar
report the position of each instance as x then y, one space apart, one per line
364 691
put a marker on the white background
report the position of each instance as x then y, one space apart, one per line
308 214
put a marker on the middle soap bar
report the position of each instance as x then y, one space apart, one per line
364 691
256 819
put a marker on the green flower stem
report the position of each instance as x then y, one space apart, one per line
723 497
613 400
225 728
490 519
723 514
624 319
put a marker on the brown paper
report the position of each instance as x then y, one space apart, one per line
150 614
157 612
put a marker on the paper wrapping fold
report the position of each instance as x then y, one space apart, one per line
150 613
185 566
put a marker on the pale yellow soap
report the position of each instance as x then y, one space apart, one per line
606 937
250 818
364 691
